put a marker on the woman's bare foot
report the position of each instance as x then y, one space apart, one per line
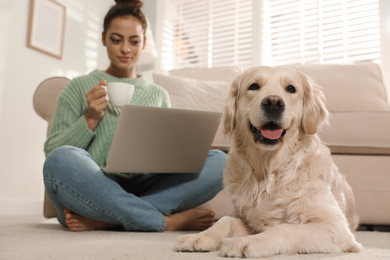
77 223
192 219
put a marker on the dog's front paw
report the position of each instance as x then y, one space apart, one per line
243 248
201 242
233 247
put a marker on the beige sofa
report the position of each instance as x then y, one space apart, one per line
357 137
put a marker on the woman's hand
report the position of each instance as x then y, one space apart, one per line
96 99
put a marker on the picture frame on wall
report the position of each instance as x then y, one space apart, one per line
46 28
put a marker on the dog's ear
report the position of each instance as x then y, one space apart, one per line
314 110
229 115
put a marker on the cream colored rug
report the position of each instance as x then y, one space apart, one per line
36 238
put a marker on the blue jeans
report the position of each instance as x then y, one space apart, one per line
74 181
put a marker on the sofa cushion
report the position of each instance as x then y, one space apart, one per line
193 94
357 87
370 182
358 133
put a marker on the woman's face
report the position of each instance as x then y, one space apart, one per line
124 40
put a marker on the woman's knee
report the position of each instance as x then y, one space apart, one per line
60 158
218 159
216 163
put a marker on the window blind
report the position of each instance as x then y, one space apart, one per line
320 31
215 33
208 33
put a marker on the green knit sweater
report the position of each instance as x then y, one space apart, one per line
70 128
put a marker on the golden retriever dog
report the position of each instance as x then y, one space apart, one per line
288 194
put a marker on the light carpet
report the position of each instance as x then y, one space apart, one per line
36 238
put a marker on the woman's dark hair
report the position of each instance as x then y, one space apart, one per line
125 8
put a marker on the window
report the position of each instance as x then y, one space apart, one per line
321 31
208 33
217 33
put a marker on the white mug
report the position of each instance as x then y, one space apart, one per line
119 93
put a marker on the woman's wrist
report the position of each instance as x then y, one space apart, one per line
91 122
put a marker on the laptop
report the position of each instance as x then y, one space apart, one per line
161 140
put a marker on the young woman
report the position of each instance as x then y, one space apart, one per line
85 196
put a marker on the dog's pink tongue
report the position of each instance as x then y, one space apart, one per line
271 133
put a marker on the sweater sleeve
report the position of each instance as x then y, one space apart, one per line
68 128
166 102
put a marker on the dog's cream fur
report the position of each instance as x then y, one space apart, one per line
289 197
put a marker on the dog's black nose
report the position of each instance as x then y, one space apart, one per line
273 104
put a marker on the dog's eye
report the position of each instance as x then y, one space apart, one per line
254 86
290 89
